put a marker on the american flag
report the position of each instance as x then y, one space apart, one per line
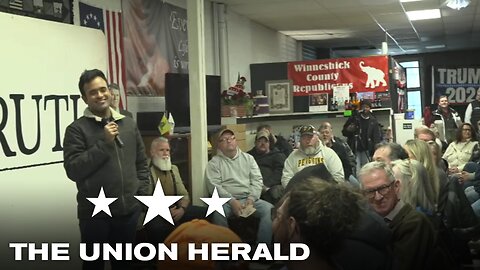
110 23
16 4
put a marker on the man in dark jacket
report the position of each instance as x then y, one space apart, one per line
105 167
340 147
277 141
363 133
414 241
446 119
270 161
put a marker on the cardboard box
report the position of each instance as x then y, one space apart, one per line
240 136
239 131
237 128
242 144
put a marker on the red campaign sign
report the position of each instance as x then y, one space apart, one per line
365 74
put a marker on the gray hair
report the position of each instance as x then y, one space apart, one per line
376 165
157 141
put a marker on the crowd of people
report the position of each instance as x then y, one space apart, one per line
356 202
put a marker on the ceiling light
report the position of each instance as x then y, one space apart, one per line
457 4
423 14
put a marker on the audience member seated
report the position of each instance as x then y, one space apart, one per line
323 215
452 204
199 232
442 164
270 161
164 172
388 152
312 152
318 171
369 244
473 191
236 175
419 150
277 140
426 134
340 147
413 235
462 150
417 191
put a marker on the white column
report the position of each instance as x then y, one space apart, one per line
198 100
223 46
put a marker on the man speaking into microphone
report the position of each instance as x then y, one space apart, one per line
105 156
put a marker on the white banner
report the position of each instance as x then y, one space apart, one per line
39 98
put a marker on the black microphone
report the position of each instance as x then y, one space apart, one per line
118 141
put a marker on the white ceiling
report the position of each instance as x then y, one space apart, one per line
353 27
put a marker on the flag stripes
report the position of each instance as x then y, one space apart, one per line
16 4
116 65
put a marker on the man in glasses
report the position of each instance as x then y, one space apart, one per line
413 238
236 175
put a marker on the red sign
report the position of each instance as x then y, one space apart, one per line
366 74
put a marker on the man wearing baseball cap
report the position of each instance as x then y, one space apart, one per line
270 160
312 152
236 175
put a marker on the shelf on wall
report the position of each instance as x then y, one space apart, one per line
291 116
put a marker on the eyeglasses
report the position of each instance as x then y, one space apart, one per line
225 139
382 190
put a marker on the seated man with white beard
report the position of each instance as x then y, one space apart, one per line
312 152
162 170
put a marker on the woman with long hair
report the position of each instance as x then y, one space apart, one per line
415 190
419 150
463 149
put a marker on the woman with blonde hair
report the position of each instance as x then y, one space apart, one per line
451 201
419 150
415 190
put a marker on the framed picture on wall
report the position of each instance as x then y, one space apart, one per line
279 95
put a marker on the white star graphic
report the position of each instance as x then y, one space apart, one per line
158 204
101 203
215 203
